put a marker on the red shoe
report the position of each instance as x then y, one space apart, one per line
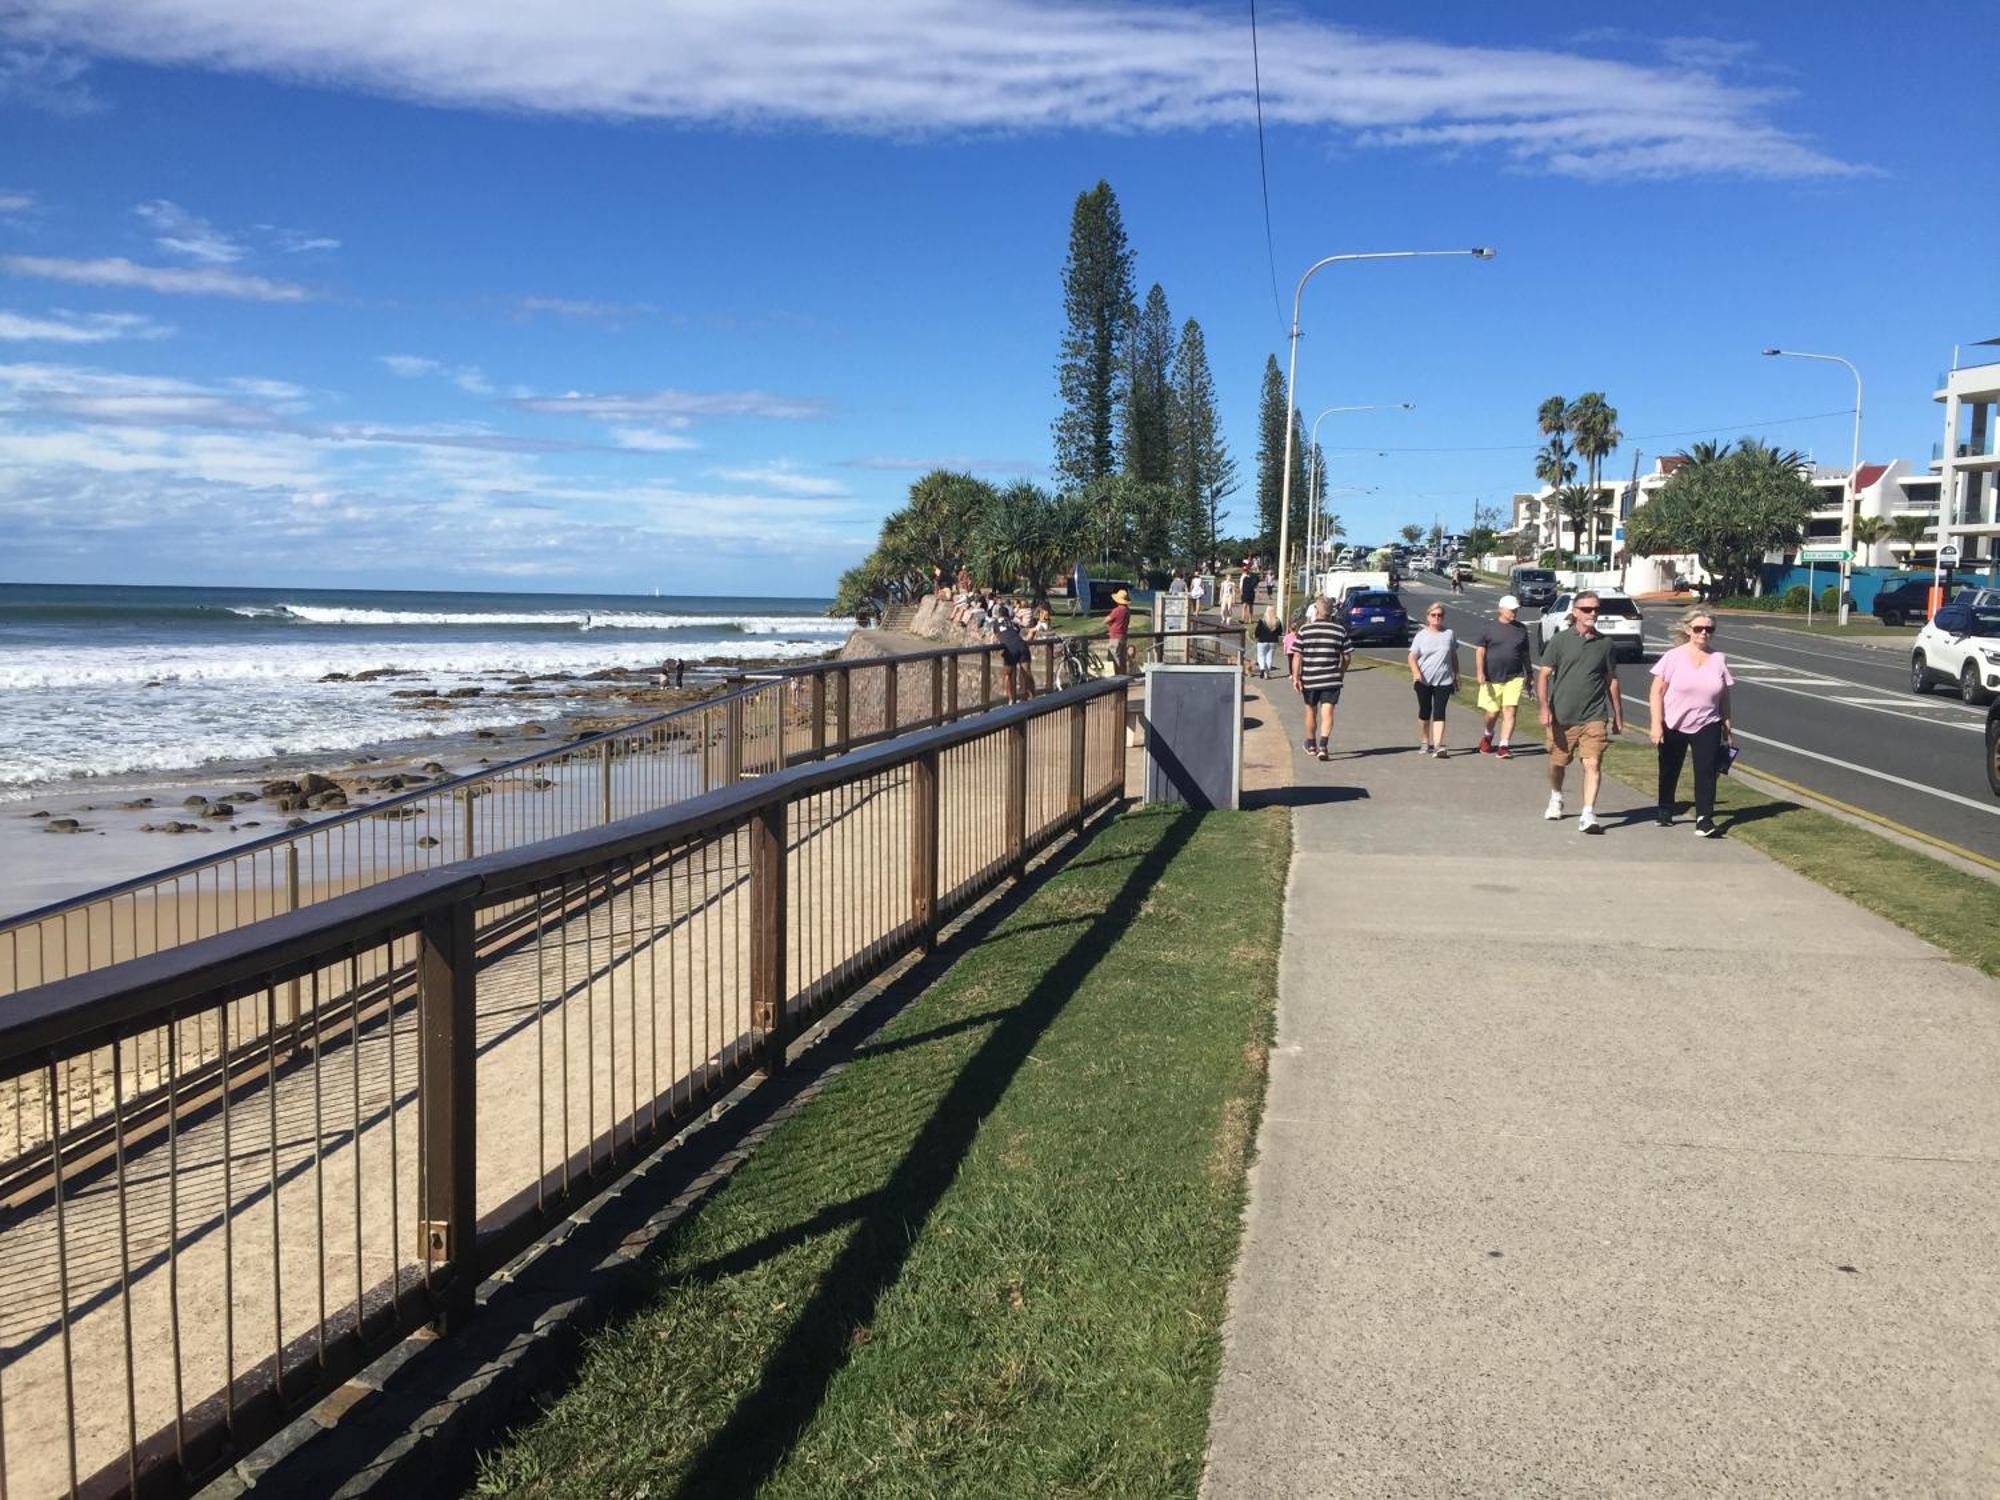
1504 753
1486 744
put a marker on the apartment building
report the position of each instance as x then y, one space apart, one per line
1968 462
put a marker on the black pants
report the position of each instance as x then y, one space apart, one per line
1707 747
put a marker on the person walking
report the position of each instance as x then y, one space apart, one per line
1116 624
1689 699
1434 674
1500 659
1197 597
1267 633
1577 683
1319 670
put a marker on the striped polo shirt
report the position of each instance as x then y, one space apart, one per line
1323 648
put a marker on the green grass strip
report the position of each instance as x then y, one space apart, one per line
991 1257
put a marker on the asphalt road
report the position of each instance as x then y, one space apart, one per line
1834 716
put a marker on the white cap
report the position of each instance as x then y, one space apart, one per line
1508 601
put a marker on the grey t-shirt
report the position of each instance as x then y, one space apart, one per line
1437 656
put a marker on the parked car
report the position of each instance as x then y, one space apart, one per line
1617 617
1993 747
1905 599
1986 597
1960 644
1375 615
1533 585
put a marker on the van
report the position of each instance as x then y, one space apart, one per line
1532 585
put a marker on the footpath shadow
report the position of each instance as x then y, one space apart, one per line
760 1433
1303 796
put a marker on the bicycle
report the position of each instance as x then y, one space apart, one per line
1076 662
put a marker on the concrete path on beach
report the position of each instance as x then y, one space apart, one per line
1633 1164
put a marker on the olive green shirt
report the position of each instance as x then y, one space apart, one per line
1582 668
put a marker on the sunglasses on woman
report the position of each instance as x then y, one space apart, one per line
1701 629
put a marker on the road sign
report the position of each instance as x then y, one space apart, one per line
1824 554
1948 553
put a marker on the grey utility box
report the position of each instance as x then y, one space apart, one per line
1194 735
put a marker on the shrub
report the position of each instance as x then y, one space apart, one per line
1829 599
1795 598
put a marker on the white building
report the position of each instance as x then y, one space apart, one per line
1968 463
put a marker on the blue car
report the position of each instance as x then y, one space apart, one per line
1373 615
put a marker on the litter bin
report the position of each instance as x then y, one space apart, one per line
1194 735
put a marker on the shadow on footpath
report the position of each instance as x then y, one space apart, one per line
1303 796
760 1433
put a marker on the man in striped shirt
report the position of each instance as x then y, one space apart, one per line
1319 668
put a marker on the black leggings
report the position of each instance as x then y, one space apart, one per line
1432 698
1706 743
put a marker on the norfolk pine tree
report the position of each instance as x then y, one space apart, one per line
1146 395
1270 456
1097 303
1203 471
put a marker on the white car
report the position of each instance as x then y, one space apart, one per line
1961 644
1617 617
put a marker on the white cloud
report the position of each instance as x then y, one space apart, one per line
61 327
651 440
15 203
784 478
410 366
293 243
657 405
115 270
179 232
896 464
468 378
43 78
899 67
612 315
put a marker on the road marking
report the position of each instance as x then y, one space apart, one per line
1990 808
1904 829
1902 707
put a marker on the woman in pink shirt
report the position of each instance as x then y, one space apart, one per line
1690 713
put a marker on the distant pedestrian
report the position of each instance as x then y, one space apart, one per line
1319 669
1434 675
1578 685
1689 699
1179 585
1197 594
1116 624
1248 591
1015 657
1267 632
1500 660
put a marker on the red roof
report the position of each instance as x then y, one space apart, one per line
1869 474
1672 461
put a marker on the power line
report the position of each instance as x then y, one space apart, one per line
1263 173
1630 437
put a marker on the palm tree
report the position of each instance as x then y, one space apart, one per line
1909 530
1705 453
1593 424
1869 531
1578 506
1553 466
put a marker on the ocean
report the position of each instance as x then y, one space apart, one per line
102 681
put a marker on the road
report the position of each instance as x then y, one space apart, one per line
1834 716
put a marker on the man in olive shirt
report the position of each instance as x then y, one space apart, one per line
1577 682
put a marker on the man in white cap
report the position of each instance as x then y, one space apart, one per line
1500 657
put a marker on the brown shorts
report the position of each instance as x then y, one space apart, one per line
1586 742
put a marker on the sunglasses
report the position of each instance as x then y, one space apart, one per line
1702 629
1585 609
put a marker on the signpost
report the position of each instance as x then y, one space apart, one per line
1811 556
1947 554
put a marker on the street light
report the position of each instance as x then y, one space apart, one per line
1853 471
1292 385
1312 469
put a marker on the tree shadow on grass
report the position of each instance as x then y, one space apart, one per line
760 1433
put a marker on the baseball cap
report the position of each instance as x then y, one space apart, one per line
1508 601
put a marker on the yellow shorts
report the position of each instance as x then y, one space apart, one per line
1494 696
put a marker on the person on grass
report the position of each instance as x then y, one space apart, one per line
1578 685
1434 674
1689 699
1319 669
1500 661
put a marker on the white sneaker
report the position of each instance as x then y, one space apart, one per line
1586 822
1555 806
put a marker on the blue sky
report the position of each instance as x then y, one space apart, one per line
615 295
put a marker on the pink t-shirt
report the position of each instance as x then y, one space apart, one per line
1693 698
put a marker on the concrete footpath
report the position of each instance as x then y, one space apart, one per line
1619 1165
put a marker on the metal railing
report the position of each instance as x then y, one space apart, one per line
442 1064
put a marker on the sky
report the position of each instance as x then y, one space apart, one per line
623 294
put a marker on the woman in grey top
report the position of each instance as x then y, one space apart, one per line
1434 672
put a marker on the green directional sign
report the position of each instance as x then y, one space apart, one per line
1825 554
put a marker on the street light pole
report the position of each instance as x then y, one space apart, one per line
1853 499
1312 470
1284 568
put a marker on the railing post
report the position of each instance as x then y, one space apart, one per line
466 848
447 1210
985 678
924 847
604 779
1076 740
818 712
732 740
292 904
1048 666
1118 746
843 718
1015 807
768 895
937 689
951 692
889 676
